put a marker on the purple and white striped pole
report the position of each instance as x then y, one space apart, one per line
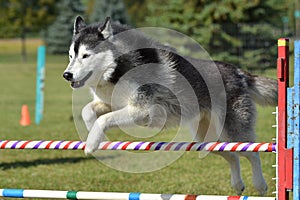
141 146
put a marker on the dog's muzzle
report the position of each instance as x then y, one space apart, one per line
76 84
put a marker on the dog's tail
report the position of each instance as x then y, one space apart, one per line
263 90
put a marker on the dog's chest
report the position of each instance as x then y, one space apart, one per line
103 93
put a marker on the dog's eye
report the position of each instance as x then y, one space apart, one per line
85 56
70 56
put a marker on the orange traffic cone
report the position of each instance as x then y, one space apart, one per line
25 118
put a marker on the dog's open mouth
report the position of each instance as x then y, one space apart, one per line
78 84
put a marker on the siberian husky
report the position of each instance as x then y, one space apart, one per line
153 91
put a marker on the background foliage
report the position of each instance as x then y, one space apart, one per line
58 35
113 8
18 18
237 31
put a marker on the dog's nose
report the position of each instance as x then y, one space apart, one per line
68 76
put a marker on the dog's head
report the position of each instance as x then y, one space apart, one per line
90 53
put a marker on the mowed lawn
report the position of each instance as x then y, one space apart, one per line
72 170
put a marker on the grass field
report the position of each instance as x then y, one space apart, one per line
72 170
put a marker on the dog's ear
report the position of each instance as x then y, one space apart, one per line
79 24
106 29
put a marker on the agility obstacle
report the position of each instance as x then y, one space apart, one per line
142 146
40 83
19 193
287 147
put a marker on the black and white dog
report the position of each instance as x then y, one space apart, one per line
157 87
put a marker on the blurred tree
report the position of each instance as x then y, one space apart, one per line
137 11
89 4
59 34
18 17
113 8
230 30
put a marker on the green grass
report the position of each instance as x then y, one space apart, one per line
71 170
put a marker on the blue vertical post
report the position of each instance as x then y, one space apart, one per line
296 121
292 138
290 113
40 78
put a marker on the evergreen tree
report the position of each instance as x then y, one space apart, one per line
238 31
59 34
113 8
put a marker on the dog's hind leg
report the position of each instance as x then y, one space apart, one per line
234 163
239 126
257 176
232 158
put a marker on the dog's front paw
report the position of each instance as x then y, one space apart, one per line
89 149
95 137
92 144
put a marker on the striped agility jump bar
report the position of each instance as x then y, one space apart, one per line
141 146
53 194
